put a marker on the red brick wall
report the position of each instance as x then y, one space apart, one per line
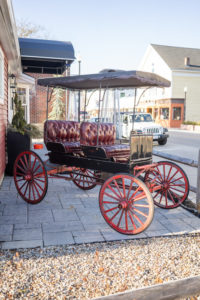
38 100
3 120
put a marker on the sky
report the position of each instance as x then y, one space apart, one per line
114 33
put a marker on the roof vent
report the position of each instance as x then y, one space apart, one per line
186 61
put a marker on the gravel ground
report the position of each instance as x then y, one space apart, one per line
92 270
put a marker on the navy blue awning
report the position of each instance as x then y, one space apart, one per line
45 56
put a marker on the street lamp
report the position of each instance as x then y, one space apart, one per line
79 93
185 95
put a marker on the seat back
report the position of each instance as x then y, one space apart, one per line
58 131
106 134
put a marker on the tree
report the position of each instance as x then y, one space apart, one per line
18 121
57 105
27 29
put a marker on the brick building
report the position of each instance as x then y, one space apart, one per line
41 59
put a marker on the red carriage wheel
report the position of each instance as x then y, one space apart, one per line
30 177
173 182
84 178
126 204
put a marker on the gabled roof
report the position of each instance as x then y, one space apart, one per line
175 56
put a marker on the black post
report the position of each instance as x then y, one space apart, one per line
79 92
47 102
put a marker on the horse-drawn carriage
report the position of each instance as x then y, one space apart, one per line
89 154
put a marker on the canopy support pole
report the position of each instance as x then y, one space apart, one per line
135 96
99 114
85 104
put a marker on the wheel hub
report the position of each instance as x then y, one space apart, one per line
28 177
165 185
123 204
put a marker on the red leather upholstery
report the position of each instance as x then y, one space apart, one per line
107 136
66 133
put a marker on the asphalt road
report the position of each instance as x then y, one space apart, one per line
181 143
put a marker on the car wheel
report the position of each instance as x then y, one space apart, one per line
162 142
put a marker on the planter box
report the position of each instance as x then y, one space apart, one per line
197 128
190 127
187 127
16 143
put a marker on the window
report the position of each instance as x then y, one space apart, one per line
1 77
164 113
176 113
22 96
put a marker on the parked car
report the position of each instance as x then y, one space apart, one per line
143 123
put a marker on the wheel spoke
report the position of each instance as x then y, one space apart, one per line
164 171
137 218
117 186
141 205
123 187
109 202
140 212
176 179
129 189
173 188
21 187
111 196
173 176
114 191
33 192
166 198
111 209
34 171
21 161
120 218
26 162
170 195
161 195
134 226
21 168
36 189
139 197
115 215
169 173
38 185
126 220
134 193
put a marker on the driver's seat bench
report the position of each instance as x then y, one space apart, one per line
106 141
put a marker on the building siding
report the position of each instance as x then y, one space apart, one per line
3 120
192 96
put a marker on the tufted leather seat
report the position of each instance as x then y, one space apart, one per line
106 140
62 133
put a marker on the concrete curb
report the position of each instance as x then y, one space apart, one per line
171 290
176 158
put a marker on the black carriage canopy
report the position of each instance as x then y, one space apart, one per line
118 79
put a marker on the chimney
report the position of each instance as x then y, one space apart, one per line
186 61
